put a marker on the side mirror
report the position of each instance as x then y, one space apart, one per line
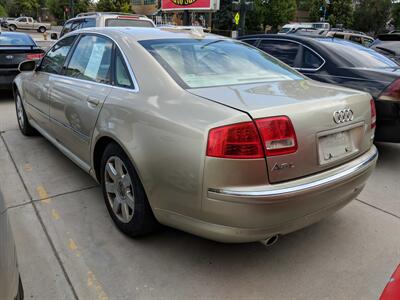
54 36
27 66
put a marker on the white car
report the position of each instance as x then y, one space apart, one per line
28 23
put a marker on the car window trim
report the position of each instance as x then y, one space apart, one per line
305 46
114 70
66 58
136 88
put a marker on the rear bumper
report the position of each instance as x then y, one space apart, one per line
230 215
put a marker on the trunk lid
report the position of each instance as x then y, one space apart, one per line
11 57
310 105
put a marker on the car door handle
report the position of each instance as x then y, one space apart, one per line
93 101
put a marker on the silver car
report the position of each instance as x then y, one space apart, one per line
10 283
199 132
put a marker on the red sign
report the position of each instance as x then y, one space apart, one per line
190 5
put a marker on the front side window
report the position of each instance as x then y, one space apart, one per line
66 29
54 60
22 20
196 63
122 77
284 50
91 59
76 25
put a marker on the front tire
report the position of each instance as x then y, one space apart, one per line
23 121
124 194
12 27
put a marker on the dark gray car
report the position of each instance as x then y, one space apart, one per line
10 283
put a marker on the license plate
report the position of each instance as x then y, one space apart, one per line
335 146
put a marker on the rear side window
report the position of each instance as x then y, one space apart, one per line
339 36
89 22
91 59
54 60
122 77
283 50
126 22
250 41
356 39
311 60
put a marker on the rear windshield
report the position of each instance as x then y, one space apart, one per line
128 23
352 55
196 63
11 40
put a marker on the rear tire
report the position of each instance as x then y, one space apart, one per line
12 27
42 29
23 121
124 194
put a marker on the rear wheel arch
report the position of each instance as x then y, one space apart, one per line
98 150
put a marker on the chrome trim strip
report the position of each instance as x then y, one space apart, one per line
359 168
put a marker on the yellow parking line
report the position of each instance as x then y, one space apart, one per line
27 167
43 195
92 282
55 214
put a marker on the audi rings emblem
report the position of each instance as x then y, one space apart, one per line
343 116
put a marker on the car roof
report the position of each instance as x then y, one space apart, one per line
106 14
147 33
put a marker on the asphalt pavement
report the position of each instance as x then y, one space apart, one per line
68 247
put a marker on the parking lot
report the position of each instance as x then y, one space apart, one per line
68 247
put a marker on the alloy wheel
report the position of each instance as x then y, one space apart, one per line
119 189
20 112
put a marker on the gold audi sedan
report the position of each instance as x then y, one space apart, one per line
199 132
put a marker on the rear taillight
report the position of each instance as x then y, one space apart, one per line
373 114
278 135
34 56
392 92
239 141
242 140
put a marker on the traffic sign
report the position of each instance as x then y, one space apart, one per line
237 18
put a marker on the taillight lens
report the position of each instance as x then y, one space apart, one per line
373 114
392 92
242 140
34 56
278 135
239 141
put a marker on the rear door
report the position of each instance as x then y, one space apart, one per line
78 95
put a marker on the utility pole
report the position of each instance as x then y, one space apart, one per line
243 7
71 8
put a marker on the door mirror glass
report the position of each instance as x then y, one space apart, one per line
27 66
54 36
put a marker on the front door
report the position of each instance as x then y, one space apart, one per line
78 95
38 91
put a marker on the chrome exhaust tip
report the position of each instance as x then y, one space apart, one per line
270 240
